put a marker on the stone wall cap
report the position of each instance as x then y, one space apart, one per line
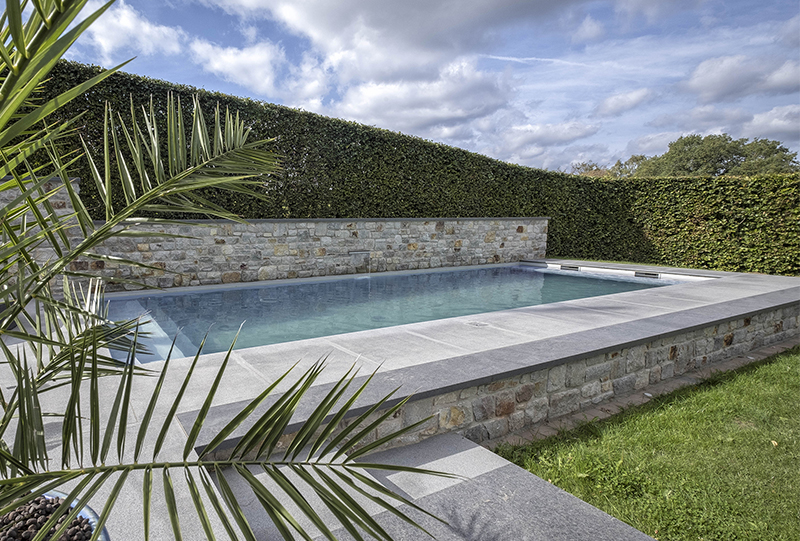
347 220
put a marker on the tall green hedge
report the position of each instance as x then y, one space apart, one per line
338 169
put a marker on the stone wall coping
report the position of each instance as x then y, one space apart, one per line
341 220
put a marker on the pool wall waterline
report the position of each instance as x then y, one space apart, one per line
575 356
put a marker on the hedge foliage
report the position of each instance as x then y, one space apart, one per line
338 169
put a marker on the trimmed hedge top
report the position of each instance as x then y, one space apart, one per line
338 169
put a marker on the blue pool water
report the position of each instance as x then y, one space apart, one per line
275 313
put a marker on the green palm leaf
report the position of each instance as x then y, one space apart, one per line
56 346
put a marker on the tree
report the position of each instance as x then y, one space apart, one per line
61 344
628 168
588 169
716 155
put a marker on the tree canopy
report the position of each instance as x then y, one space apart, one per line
698 156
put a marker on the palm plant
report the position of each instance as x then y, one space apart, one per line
56 349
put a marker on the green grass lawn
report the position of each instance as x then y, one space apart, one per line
716 461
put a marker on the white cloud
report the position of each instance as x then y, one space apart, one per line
781 123
783 80
306 84
789 33
652 144
122 27
249 32
460 94
366 40
653 10
732 77
619 103
589 30
254 67
724 77
496 76
549 134
705 118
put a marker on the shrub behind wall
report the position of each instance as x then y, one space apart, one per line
339 169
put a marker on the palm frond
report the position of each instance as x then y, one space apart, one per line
54 346
333 476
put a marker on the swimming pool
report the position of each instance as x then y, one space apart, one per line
300 309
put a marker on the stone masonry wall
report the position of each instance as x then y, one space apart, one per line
507 405
226 252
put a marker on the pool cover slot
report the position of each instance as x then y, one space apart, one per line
645 274
570 267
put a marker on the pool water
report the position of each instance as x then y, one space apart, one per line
284 312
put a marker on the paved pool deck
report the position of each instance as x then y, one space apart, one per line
436 357
427 359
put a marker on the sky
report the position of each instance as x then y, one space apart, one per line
543 83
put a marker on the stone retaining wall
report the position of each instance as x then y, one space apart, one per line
226 252
508 405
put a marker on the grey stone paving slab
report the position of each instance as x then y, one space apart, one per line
494 500
394 347
276 360
536 325
262 525
476 331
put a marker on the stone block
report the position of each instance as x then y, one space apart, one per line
476 433
655 374
656 355
418 410
496 427
392 424
575 374
685 364
447 398
539 380
483 407
505 403
635 359
600 372
667 370
269 272
642 379
556 378
617 368
231 277
597 359
564 402
602 397
591 389
516 421
624 384
524 392
454 416
536 410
